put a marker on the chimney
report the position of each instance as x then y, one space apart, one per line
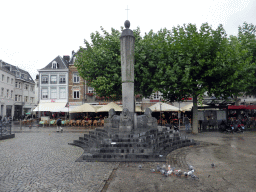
66 58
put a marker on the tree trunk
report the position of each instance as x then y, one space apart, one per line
236 100
195 115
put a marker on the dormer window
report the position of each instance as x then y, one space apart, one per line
17 74
54 65
22 76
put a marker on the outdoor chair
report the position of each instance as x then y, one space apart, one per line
89 123
83 123
95 123
78 122
102 122
52 122
66 122
71 123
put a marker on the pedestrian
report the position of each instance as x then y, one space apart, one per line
186 121
59 125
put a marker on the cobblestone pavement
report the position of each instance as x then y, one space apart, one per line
39 159
233 155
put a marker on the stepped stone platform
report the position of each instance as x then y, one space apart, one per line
136 146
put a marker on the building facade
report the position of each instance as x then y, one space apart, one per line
17 91
53 83
76 85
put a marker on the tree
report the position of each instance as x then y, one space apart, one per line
247 38
201 61
100 63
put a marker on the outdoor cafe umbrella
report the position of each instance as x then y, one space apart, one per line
163 107
83 108
109 106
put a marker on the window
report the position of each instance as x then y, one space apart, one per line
90 90
54 65
17 74
7 93
25 98
16 97
11 93
53 79
22 75
26 86
44 79
31 88
19 85
16 84
19 97
31 100
62 79
62 92
44 93
8 79
2 77
2 92
12 81
75 78
76 94
53 93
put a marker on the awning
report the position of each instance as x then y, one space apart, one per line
163 107
53 106
242 107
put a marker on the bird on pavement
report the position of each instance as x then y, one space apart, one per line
140 166
212 165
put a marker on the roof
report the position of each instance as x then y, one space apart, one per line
13 69
62 64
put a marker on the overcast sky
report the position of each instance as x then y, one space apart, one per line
34 32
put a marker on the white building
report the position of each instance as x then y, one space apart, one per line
6 92
17 91
53 85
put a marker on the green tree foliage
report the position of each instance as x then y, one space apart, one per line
100 63
182 62
203 60
247 38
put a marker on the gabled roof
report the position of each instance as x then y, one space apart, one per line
13 69
62 64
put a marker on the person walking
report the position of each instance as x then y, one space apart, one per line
186 121
59 125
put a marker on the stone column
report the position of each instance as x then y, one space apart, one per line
127 64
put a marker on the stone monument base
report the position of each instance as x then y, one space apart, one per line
145 146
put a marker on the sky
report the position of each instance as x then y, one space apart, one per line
33 32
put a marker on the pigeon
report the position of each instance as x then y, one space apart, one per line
212 165
190 167
140 166
194 177
163 171
158 168
169 172
190 173
152 170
